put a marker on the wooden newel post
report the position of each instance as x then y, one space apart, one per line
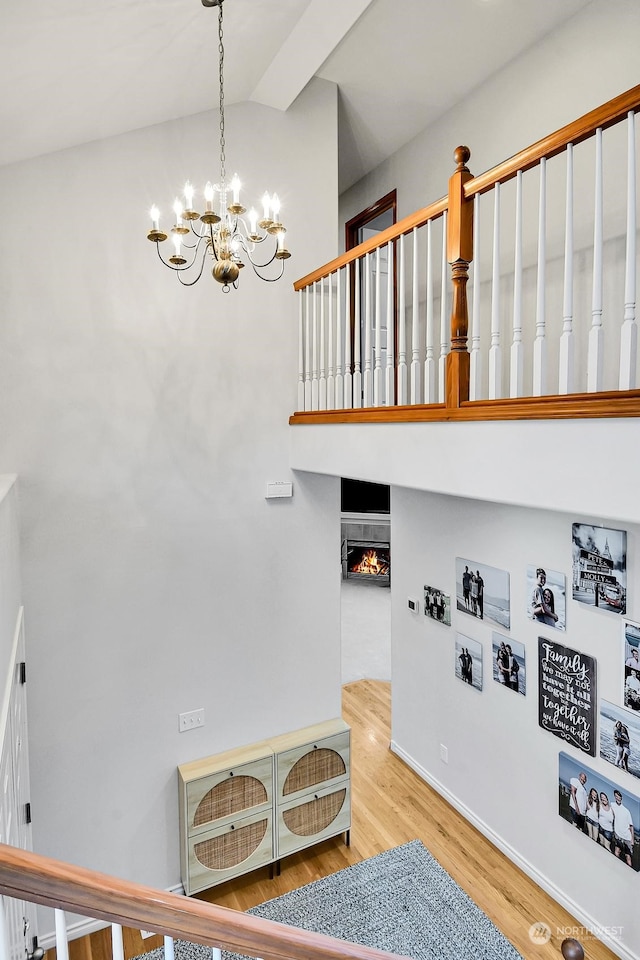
459 255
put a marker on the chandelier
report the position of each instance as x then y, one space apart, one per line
221 232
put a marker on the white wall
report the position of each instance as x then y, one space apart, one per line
144 421
502 767
588 60
10 584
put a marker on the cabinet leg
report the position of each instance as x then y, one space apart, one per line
347 838
277 868
271 871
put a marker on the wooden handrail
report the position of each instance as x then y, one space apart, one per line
38 879
572 406
577 131
406 225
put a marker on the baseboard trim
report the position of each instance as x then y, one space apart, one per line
86 926
584 920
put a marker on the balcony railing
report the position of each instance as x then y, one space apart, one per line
547 240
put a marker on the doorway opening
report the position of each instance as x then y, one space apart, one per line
366 224
365 597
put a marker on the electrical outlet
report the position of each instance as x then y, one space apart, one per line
444 753
191 720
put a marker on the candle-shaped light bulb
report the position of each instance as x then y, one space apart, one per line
281 235
177 209
266 203
235 186
188 194
154 213
253 220
275 206
208 194
176 243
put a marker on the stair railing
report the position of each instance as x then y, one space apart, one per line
37 879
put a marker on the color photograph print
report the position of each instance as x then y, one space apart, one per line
631 660
437 605
509 668
600 567
483 592
620 737
469 661
547 596
600 810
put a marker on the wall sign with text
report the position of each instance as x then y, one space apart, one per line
567 694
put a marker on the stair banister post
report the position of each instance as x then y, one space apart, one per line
459 256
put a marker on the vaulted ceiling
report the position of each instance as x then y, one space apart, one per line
73 71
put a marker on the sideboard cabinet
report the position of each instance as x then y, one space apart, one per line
245 808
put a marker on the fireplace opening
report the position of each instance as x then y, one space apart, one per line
367 560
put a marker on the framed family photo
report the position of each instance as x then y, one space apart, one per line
600 567
631 660
483 592
547 596
604 813
620 737
437 605
509 665
468 661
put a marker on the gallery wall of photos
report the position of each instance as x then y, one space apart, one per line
605 812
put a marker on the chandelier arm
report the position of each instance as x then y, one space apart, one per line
183 269
267 279
190 283
261 266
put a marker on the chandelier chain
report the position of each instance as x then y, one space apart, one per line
221 62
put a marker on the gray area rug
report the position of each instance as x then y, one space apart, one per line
401 901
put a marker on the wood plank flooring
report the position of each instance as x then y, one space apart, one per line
392 805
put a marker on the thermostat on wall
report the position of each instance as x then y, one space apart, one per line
278 489
413 605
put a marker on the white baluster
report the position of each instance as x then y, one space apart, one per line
5 950
331 381
629 332
540 342
596 337
445 327
300 350
349 386
315 386
389 383
377 367
367 373
62 941
357 345
517 358
415 323
402 330
429 360
565 373
307 347
474 359
117 944
169 949
322 379
339 386
216 953
495 350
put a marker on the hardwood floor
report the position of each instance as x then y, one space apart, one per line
392 805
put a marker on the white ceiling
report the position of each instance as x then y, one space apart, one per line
73 71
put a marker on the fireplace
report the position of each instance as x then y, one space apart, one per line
368 560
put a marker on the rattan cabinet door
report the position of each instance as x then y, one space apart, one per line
316 817
228 794
228 851
309 765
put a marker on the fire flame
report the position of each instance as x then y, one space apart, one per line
370 563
